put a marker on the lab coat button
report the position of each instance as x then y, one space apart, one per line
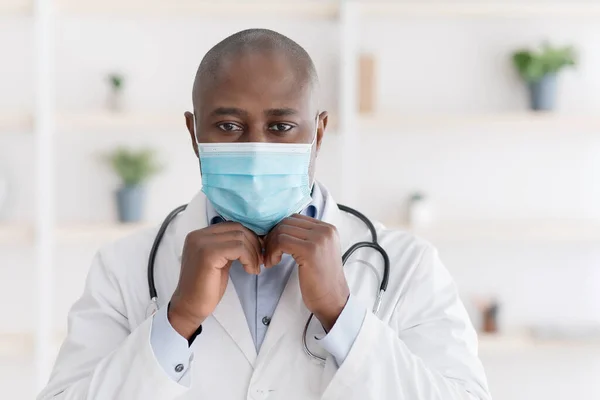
179 368
266 321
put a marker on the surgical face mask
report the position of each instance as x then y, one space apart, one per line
256 184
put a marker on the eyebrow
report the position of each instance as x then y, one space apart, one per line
280 112
221 111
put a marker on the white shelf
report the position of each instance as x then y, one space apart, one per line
23 234
22 344
510 231
15 122
13 234
97 232
481 9
500 343
15 7
294 9
13 344
104 121
397 122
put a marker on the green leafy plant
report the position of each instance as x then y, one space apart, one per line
116 81
134 167
533 65
416 197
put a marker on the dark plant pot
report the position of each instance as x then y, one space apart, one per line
543 93
130 203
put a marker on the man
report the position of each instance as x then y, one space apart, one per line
239 272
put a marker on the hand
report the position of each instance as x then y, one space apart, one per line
315 247
207 257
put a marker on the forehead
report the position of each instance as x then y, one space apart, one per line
256 81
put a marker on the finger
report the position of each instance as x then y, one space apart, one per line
281 244
238 231
301 221
309 223
238 250
304 218
224 227
295 231
254 244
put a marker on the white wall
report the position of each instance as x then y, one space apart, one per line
447 66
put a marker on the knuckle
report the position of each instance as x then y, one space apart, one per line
239 234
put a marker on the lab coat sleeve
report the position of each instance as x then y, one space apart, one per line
101 358
427 351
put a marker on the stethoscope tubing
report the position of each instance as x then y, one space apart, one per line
374 244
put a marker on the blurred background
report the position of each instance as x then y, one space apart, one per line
474 124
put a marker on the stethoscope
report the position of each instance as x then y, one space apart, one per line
373 244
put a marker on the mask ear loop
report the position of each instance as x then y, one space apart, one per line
316 131
312 144
194 129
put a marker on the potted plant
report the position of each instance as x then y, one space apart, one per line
539 68
134 168
115 97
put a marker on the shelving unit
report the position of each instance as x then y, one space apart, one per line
304 9
507 231
529 121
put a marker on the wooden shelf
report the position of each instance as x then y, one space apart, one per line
104 121
15 7
507 231
481 9
293 9
15 122
398 122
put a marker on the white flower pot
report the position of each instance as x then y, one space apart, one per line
116 102
420 214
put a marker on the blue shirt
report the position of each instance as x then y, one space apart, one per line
259 296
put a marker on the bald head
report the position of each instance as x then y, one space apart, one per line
248 45
257 86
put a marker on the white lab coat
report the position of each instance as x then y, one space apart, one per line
420 346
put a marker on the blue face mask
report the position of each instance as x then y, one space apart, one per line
256 184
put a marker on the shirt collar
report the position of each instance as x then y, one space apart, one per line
313 210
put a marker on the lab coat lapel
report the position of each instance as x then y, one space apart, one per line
229 313
289 316
291 313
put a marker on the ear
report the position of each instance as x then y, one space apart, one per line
322 126
191 127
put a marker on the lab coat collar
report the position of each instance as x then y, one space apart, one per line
195 217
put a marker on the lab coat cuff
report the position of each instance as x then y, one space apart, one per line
170 348
340 339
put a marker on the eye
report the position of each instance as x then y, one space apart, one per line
229 127
280 127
